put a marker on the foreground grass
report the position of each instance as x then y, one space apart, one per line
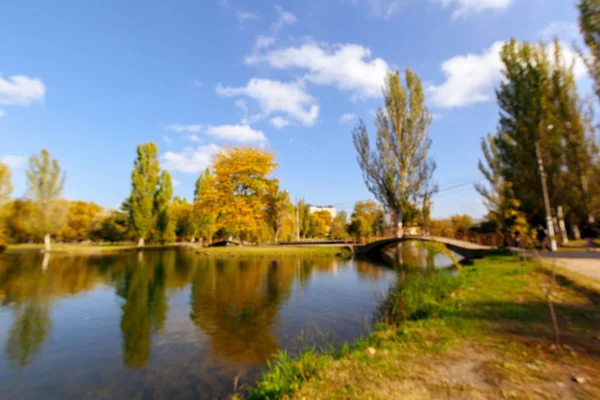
273 251
487 334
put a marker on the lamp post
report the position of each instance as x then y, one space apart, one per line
549 223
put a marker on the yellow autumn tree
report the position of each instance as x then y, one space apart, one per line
240 183
322 223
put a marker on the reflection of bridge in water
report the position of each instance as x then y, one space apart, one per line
374 250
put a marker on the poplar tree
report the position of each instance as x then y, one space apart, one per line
589 25
45 185
539 107
399 171
277 209
205 213
144 181
165 224
5 193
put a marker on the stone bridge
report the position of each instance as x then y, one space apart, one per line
467 250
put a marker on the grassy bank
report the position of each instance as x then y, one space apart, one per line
273 251
485 334
84 249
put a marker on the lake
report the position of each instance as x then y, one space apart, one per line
172 323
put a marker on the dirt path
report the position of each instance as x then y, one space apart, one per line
582 263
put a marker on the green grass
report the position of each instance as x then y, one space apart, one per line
273 251
485 334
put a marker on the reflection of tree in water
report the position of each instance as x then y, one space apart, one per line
236 304
27 333
368 271
414 255
146 305
30 285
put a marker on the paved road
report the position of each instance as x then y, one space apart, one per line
580 262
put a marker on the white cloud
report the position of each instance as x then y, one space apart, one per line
262 42
236 133
284 18
14 161
175 183
243 16
465 8
462 8
276 97
347 118
194 138
240 14
471 78
242 104
190 160
570 56
1 113
347 66
279 122
564 30
21 90
166 139
184 128
197 82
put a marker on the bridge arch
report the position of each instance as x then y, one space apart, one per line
467 250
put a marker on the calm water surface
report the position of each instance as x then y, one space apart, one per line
165 324
169 323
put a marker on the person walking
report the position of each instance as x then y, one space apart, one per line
541 236
589 235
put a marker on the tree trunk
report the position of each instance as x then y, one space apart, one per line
399 226
47 242
141 242
576 232
45 262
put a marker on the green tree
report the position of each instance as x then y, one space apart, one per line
339 227
462 222
539 109
144 181
5 193
399 172
165 224
304 217
367 219
45 186
277 209
589 25
205 212
185 223
112 227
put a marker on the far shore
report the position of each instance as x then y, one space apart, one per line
224 251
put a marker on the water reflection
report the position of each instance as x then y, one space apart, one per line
236 305
414 254
173 308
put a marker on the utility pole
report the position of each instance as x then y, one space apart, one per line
549 223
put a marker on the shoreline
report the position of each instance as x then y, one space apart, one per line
233 251
490 336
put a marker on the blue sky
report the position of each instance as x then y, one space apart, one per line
91 80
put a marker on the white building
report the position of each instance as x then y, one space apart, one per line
329 209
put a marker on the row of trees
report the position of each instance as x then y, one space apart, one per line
236 197
546 133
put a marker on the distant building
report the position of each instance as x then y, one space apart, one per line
329 209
